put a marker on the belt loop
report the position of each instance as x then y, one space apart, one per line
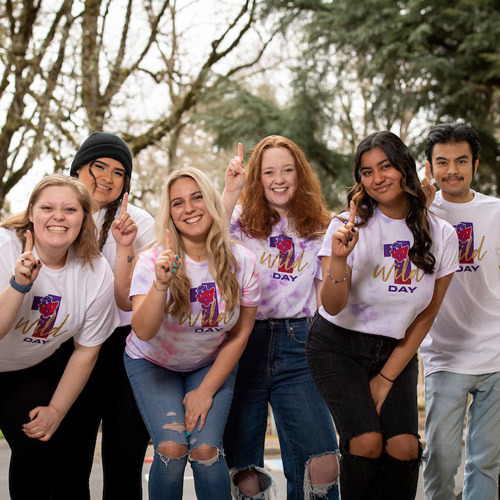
287 324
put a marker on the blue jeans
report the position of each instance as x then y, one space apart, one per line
273 369
446 403
159 393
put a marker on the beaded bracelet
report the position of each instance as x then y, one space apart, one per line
159 289
336 281
388 379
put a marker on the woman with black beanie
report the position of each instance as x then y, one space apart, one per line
104 165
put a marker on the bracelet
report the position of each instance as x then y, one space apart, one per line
337 281
159 289
20 288
388 379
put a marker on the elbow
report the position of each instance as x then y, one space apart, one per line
141 332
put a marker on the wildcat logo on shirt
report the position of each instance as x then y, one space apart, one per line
44 326
284 261
206 295
466 251
400 270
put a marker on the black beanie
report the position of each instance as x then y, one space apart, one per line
102 145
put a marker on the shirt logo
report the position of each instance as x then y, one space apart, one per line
402 265
206 295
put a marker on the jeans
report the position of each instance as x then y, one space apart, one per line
108 399
159 393
446 402
273 369
32 465
342 364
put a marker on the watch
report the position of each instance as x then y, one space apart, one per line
20 288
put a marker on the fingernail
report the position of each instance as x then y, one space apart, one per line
34 266
350 239
173 271
175 264
176 257
22 260
199 429
353 230
188 434
39 261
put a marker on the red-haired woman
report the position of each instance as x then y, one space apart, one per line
281 219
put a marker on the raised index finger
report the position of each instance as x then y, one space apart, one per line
168 240
352 213
29 241
123 207
240 151
428 174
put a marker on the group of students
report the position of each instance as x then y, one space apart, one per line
186 328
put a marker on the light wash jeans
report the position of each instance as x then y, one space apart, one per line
446 403
159 393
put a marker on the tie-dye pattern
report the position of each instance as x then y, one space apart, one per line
288 265
189 342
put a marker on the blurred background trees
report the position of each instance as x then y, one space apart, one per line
184 81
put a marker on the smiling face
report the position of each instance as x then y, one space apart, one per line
453 170
279 178
382 182
57 218
188 210
104 178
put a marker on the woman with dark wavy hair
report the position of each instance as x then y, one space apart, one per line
282 219
387 263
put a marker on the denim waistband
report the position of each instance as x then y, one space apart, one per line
284 321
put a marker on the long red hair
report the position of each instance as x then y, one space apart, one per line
307 208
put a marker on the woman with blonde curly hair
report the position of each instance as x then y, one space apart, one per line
282 219
194 297
56 286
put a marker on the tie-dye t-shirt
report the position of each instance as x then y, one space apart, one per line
190 341
288 265
387 290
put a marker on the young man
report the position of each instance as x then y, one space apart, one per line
461 353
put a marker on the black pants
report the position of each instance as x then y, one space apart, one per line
32 464
107 398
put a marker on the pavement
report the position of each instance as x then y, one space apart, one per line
272 461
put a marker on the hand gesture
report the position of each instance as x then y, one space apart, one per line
379 388
235 173
44 421
124 229
166 263
428 186
27 265
345 237
197 404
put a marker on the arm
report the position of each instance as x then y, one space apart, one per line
408 346
44 420
199 401
336 272
427 186
317 286
25 273
234 180
124 231
148 310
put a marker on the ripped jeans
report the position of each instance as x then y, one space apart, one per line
159 393
273 370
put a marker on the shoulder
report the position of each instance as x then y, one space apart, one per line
437 223
139 214
9 240
242 253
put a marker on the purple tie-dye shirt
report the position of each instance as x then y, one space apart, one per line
288 265
190 341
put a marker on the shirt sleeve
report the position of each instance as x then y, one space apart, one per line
449 258
144 272
250 285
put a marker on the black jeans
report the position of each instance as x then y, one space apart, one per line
342 363
32 461
106 398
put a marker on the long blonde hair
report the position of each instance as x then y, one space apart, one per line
85 244
221 261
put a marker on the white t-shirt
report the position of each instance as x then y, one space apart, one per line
189 342
73 301
387 290
465 336
144 238
288 265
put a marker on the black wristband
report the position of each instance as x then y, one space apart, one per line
20 288
388 379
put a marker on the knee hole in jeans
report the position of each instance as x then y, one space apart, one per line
403 447
368 445
247 481
171 449
323 469
204 452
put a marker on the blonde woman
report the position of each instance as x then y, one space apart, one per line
56 286
194 297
